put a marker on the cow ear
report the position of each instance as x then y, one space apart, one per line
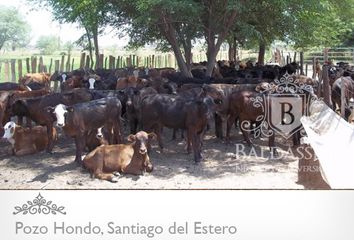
69 109
152 136
49 109
131 138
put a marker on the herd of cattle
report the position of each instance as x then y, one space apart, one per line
93 107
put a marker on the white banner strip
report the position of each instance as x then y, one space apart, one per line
290 215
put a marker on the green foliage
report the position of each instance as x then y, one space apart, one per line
47 44
14 31
69 46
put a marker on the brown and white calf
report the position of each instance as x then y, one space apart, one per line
26 141
107 161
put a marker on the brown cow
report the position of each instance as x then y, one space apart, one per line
160 72
26 141
242 107
131 81
107 161
177 112
42 78
35 108
17 95
4 118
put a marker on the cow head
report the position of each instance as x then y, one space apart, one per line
60 111
91 80
130 93
99 133
63 77
9 130
141 142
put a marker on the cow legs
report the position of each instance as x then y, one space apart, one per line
196 140
117 132
218 126
189 141
230 122
158 130
25 151
174 134
80 144
105 176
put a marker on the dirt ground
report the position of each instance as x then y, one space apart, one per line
222 168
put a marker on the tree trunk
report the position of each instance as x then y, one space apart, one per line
233 50
212 52
95 42
261 53
185 70
211 34
187 47
168 30
89 46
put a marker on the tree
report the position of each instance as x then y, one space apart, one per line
91 15
13 29
68 46
321 23
216 18
47 44
170 24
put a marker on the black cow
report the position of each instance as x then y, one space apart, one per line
79 119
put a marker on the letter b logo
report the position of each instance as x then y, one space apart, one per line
287 117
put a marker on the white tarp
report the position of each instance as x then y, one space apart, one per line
332 139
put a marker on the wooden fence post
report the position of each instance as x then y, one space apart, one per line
67 67
19 68
28 65
326 86
111 62
50 65
82 60
72 64
40 65
302 63
117 64
100 61
6 71
62 63
105 63
13 70
313 68
325 55
56 69
34 64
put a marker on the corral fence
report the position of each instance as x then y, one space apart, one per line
13 69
